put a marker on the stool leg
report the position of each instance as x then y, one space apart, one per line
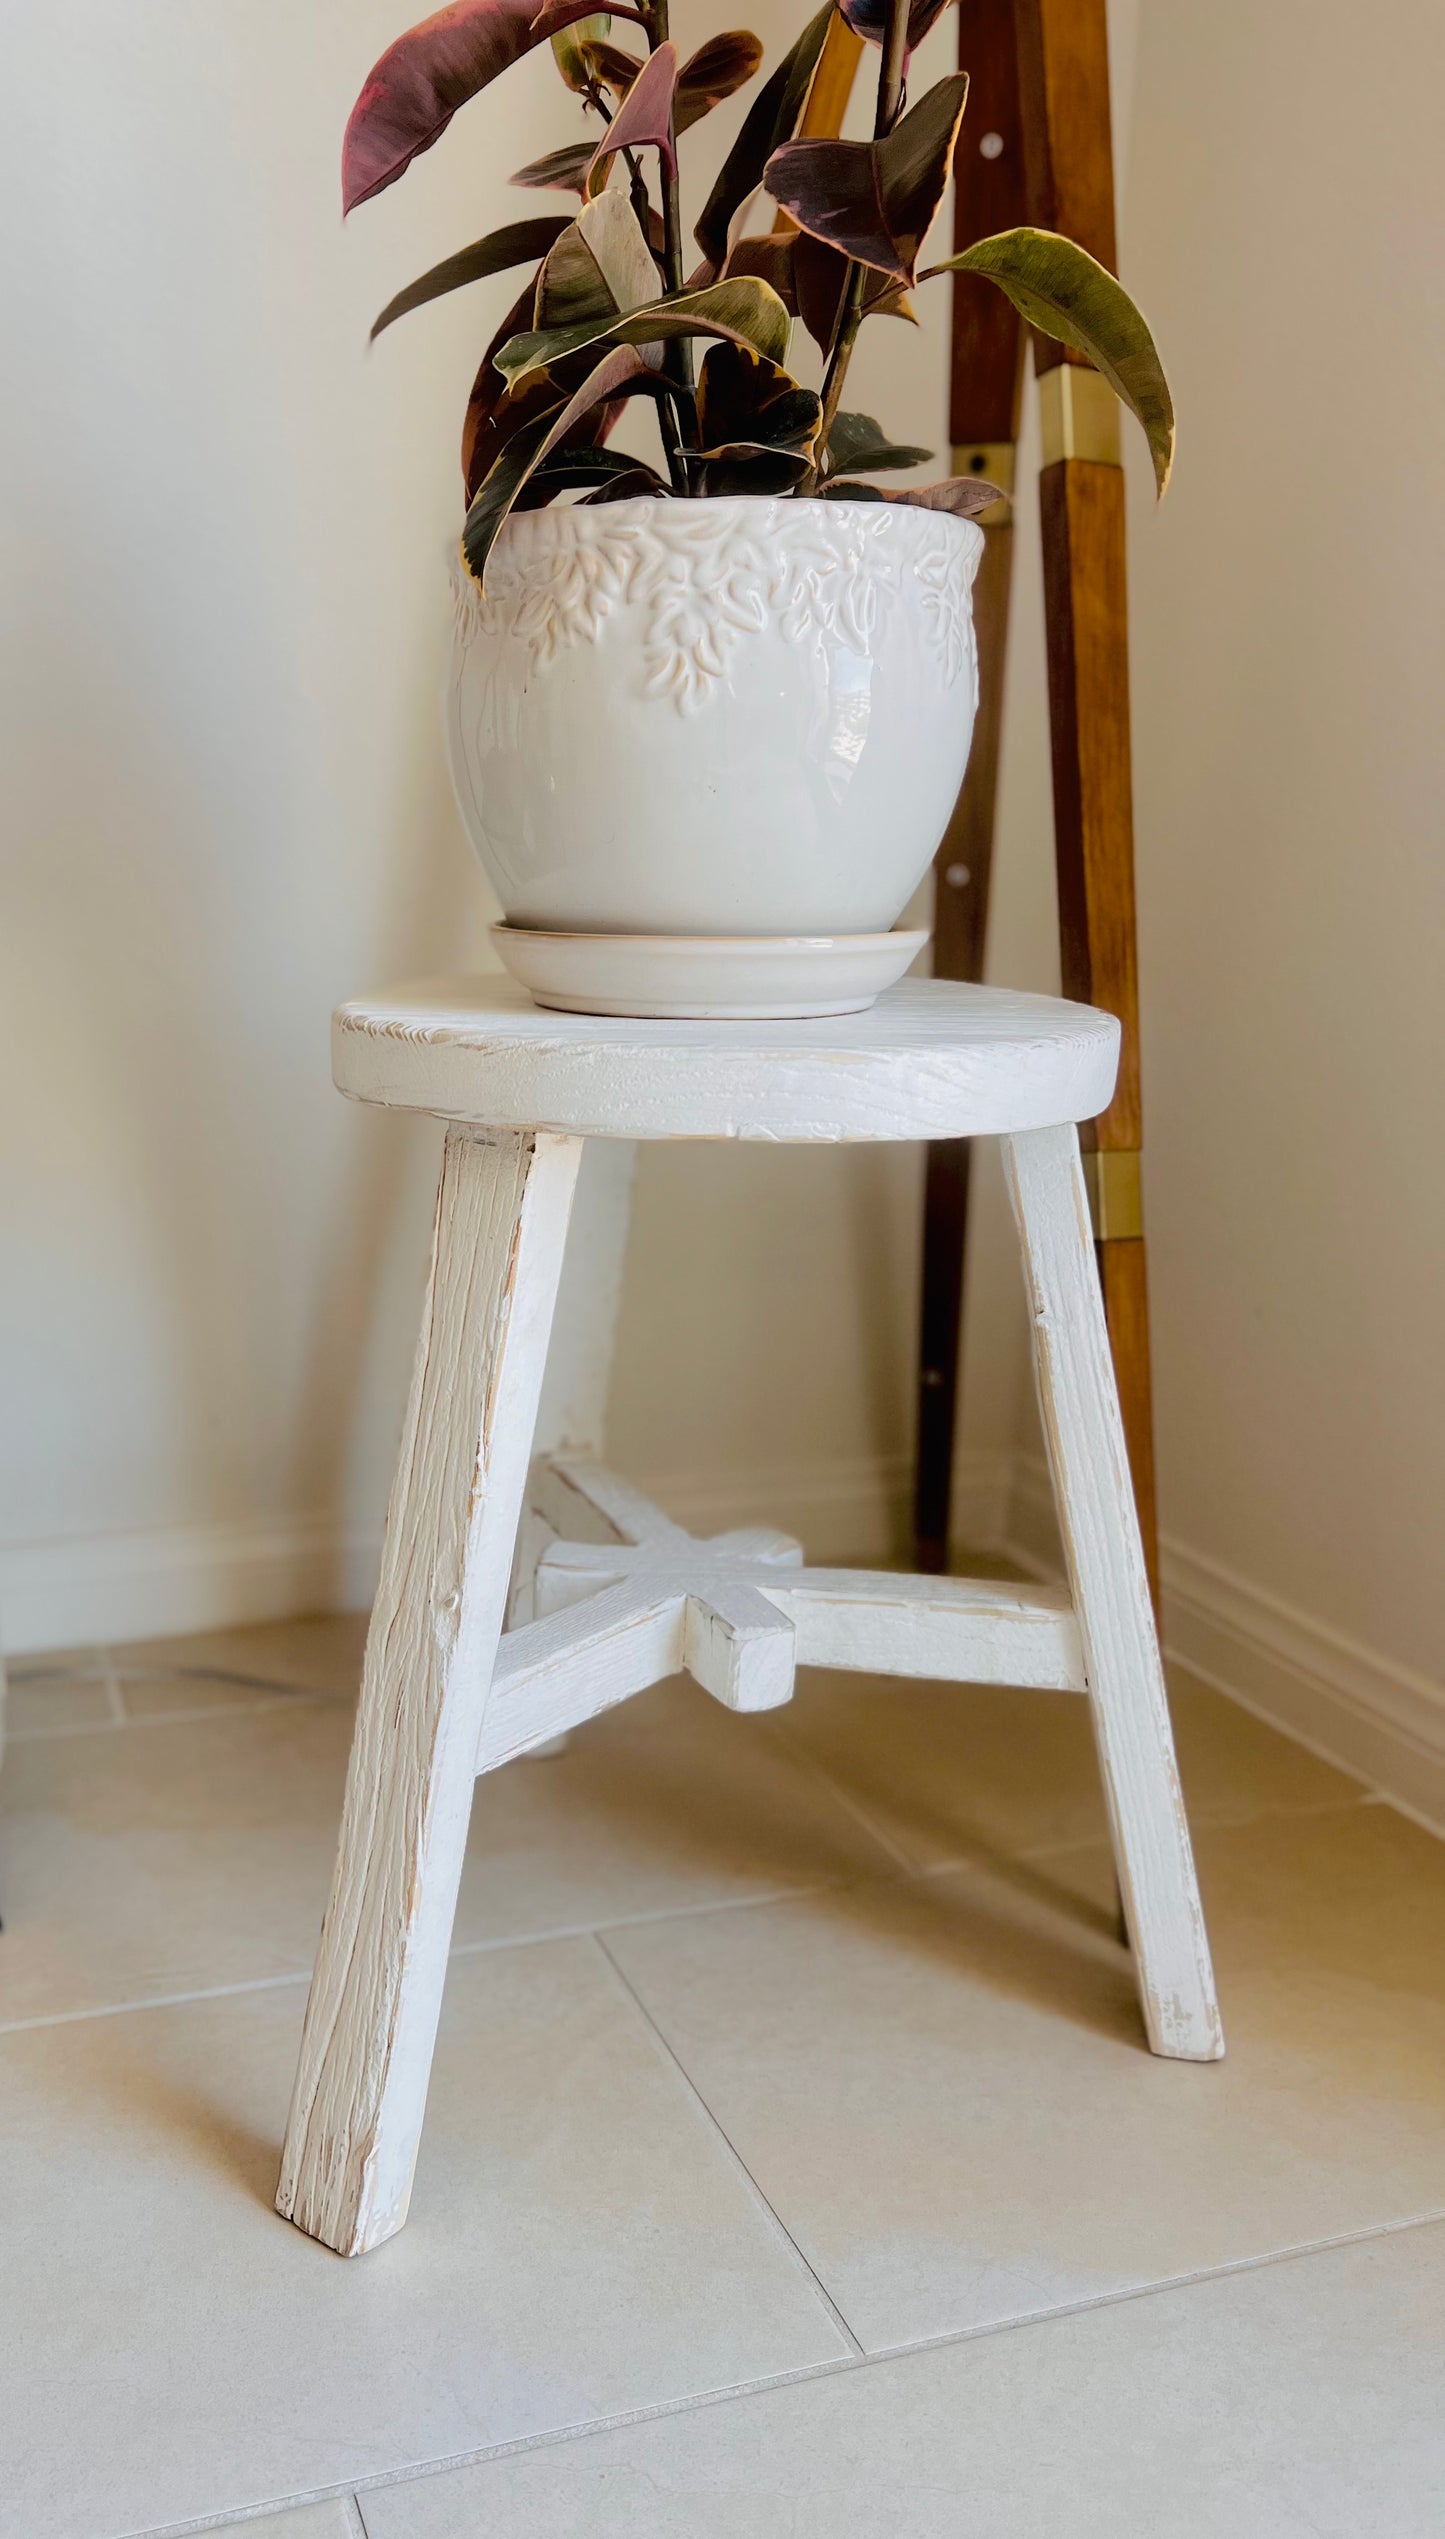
371 2019
1090 1465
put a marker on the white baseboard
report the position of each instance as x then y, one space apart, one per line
103 1588
1381 1722
1373 1718
81 1590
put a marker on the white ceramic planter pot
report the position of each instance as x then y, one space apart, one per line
721 719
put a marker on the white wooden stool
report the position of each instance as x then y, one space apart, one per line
622 1598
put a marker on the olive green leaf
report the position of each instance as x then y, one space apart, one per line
772 118
565 169
875 200
599 267
569 50
612 68
1060 289
716 70
519 243
856 441
743 311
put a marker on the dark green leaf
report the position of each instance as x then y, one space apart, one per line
856 441
489 388
772 117
716 70
744 311
566 468
565 169
1064 293
643 120
875 200
638 482
520 243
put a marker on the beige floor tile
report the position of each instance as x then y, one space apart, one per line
580 2244
51 1705
1301 2401
948 1771
187 1854
189 1696
79 1661
942 2088
320 1653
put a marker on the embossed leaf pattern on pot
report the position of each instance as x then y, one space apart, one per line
707 579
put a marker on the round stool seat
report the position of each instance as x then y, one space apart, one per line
930 1059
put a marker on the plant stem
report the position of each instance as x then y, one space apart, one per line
891 69
657 33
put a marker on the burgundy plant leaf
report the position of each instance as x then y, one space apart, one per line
643 120
963 496
819 273
564 169
420 81
520 243
869 18
563 13
771 118
771 259
716 70
568 468
745 403
619 373
875 200
488 390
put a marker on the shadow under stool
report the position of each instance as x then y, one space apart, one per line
621 1597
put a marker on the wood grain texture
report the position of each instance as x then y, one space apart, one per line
1123 1277
987 334
1063 70
930 1059
371 2017
1085 1439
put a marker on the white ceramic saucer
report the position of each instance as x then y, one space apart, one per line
713 978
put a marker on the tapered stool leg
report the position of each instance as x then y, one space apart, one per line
1090 1465
371 2019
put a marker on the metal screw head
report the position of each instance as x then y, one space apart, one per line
991 146
957 876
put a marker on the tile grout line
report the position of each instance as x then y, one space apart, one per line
349 2492
640 2008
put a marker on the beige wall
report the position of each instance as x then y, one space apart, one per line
1285 207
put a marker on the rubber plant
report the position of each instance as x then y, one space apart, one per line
610 310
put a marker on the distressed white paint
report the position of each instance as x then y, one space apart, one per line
930 1059
371 2019
1105 1558
620 1595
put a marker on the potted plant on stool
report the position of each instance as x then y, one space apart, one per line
709 710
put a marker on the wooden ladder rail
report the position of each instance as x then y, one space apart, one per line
1041 72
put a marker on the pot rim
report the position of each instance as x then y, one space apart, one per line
581 520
